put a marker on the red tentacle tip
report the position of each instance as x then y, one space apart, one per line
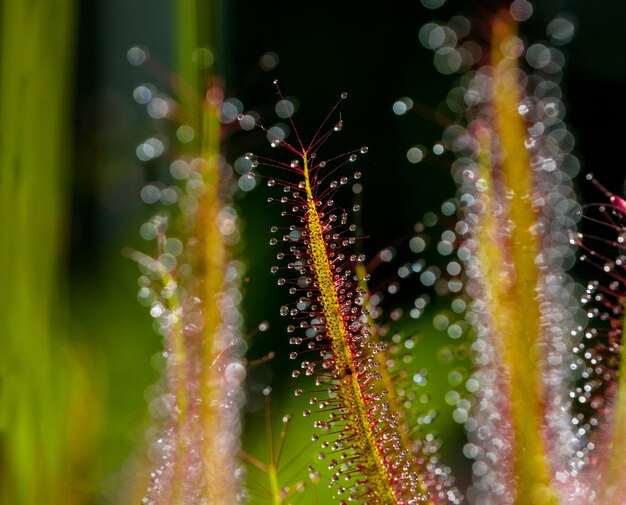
616 201
619 203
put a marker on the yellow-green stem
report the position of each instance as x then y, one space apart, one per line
514 309
196 34
272 474
219 488
350 392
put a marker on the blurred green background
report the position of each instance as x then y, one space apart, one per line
105 353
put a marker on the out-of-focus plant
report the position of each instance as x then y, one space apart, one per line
530 441
46 393
522 298
191 282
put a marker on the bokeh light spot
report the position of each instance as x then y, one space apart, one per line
269 61
432 4
415 154
185 133
137 55
202 58
402 106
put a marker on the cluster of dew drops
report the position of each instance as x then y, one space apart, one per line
549 142
601 344
168 284
161 105
434 255
457 51
436 258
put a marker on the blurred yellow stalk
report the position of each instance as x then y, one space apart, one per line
510 275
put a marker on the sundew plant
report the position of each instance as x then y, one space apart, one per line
326 327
